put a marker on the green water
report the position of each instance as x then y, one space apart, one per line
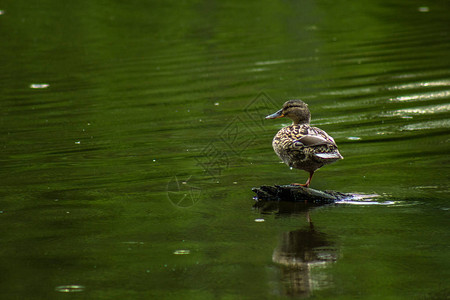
132 132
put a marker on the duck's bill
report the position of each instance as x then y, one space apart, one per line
276 115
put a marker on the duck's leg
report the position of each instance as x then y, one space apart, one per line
307 182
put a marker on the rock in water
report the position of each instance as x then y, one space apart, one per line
296 193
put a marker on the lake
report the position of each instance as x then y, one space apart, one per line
132 134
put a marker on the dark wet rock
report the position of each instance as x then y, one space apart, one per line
295 193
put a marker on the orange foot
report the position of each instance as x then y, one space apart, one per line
306 184
300 184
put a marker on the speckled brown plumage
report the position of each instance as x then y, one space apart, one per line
300 145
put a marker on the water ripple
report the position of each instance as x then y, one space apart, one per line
423 110
423 96
435 124
418 85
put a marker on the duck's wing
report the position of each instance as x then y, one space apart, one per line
313 140
324 145
314 136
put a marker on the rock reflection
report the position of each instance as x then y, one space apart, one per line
301 254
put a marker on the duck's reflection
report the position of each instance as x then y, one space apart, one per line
303 254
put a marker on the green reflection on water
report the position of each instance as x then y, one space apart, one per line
147 141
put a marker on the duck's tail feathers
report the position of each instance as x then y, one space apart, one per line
333 155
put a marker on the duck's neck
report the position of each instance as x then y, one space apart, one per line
300 119
297 122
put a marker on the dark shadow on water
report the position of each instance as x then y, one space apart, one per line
285 208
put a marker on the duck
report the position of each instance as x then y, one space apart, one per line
300 145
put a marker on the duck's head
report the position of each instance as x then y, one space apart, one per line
296 110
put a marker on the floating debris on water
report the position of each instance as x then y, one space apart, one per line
423 9
353 138
133 243
73 288
259 220
182 252
2 12
39 85
216 104
426 187
78 142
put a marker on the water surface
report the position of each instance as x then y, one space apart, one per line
132 134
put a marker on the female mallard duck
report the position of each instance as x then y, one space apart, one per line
301 146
